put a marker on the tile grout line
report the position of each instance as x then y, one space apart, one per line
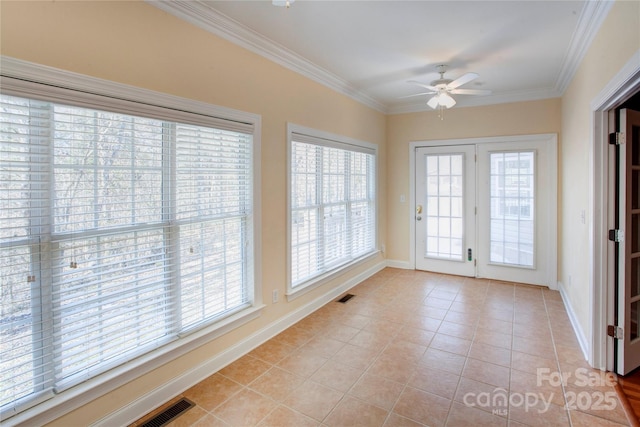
346 393
513 321
452 400
406 384
555 351
390 411
383 288
475 331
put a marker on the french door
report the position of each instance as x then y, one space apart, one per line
628 293
445 209
488 209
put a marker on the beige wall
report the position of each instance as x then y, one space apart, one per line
137 44
522 118
616 42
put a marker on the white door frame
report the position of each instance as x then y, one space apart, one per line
601 287
551 252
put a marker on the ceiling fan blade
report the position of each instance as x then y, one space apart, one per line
470 92
466 78
416 94
433 88
433 102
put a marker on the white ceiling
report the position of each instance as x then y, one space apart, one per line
522 50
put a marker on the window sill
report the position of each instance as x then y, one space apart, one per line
306 287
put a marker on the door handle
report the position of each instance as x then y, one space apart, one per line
418 218
419 209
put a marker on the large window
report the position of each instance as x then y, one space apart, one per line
119 233
332 205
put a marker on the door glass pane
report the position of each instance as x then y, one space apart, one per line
512 208
635 277
635 193
444 206
635 318
635 232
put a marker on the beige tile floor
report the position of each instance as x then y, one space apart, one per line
416 349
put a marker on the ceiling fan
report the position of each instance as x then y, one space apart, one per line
442 89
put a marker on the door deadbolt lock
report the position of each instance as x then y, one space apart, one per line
419 209
418 218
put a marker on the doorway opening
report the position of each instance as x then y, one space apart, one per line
622 90
625 174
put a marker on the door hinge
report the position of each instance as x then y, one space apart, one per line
615 331
617 138
616 235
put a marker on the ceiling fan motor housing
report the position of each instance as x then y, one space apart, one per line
441 83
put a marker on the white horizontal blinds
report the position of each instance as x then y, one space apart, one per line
332 206
24 325
117 233
112 306
107 170
305 211
110 294
214 199
362 198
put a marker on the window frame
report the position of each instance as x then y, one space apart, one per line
327 139
34 81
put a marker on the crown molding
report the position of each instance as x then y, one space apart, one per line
592 16
204 16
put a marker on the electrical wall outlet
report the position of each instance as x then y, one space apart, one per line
274 296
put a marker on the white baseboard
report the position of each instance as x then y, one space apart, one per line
582 338
405 265
169 390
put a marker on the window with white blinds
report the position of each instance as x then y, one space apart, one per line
118 234
332 205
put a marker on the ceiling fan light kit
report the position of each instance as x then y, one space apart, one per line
441 100
282 3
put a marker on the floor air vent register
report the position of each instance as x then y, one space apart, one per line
346 298
170 414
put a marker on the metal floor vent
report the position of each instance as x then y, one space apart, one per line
169 414
346 298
